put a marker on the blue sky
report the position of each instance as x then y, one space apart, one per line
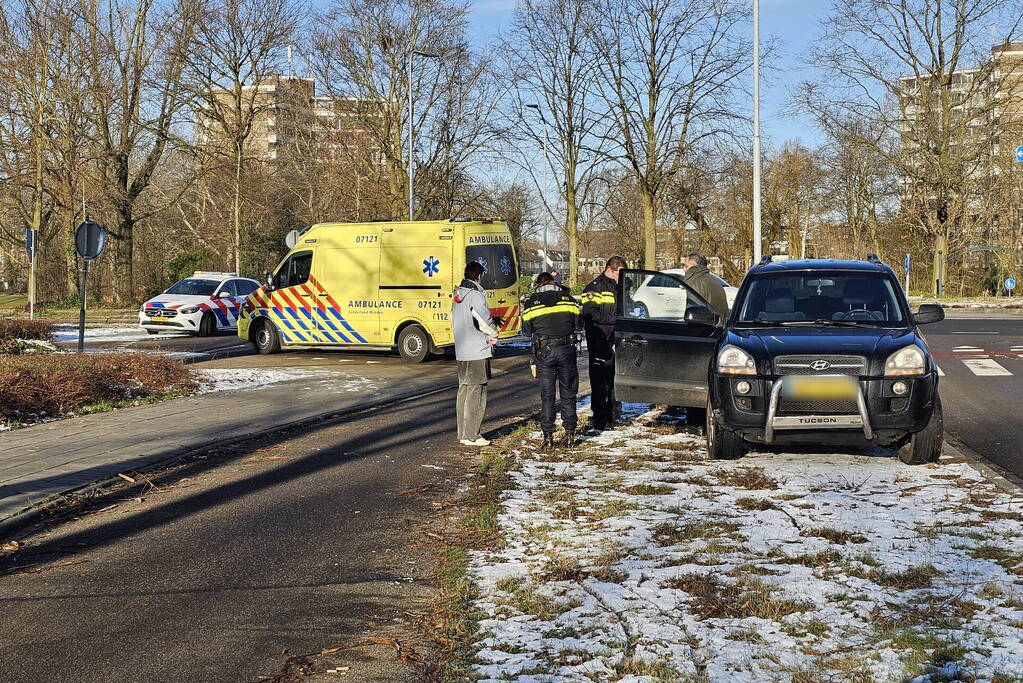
793 22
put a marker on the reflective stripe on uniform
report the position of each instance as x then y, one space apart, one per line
560 307
598 297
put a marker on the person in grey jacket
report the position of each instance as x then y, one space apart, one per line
698 277
475 336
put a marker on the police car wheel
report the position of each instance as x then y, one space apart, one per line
266 340
207 326
414 344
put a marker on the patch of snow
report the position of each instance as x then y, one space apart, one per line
635 557
232 379
69 333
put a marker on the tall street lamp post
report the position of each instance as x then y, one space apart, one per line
411 133
756 133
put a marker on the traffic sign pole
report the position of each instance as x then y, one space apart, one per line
32 279
1010 284
90 240
906 266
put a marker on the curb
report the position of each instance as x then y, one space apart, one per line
30 514
999 476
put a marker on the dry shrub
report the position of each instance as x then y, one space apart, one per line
55 384
837 536
12 328
751 478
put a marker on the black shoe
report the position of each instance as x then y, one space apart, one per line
570 440
548 442
597 429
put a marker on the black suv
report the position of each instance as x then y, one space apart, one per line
816 352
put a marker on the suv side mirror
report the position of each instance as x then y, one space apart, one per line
701 315
929 313
269 281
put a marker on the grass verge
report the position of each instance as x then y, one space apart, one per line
455 622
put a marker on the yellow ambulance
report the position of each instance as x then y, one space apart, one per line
380 285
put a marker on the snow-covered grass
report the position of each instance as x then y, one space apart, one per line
634 557
69 333
231 379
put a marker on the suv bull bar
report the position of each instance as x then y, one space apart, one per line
775 422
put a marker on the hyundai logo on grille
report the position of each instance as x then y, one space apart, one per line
820 365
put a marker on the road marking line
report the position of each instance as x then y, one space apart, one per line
986 367
974 332
966 349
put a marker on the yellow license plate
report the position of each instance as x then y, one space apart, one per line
820 388
159 318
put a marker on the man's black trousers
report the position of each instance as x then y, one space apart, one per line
602 389
557 371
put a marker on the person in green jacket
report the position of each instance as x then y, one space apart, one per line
699 279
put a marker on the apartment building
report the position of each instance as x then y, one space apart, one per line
292 122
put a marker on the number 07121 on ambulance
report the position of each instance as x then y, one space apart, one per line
380 285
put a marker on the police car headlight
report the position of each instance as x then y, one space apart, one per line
734 361
189 311
905 362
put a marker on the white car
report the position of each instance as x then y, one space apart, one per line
658 297
203 304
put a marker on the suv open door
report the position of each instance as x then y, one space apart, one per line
663 353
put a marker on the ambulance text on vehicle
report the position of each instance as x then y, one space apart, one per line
381 284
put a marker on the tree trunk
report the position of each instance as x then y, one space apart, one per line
236 209
572 234
649 230
124 251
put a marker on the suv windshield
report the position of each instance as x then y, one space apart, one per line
194 287
832 296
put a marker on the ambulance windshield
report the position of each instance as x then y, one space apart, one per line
498 261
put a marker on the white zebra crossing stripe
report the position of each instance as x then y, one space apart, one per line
966 349
985 367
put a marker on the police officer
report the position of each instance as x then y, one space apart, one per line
599 311
551 317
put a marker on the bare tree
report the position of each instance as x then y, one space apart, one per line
362 52
670 72
235 58
554 105
134 51
914 81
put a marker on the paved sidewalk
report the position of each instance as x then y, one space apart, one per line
52 458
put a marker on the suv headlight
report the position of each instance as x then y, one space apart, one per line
906 361
734 361
189 311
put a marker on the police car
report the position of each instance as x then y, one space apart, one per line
201 305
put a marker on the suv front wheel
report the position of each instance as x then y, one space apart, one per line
722 444
925 446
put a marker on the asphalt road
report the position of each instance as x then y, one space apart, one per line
981 392
249 558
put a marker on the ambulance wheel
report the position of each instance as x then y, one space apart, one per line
414 344
267 340
208 325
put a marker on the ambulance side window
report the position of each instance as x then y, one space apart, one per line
295 271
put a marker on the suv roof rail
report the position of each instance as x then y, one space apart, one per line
872 257
764 261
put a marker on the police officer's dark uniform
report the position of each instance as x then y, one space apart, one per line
599 311
551 317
